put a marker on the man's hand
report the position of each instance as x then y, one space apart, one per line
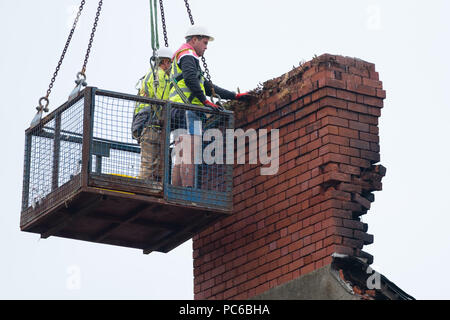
211 105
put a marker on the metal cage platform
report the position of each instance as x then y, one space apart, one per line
84 174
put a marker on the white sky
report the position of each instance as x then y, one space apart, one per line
255 41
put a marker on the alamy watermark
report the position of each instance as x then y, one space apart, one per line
374 279
189 149
73 280
373 21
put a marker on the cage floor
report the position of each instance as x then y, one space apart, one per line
115 218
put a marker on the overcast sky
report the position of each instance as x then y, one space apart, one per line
255 41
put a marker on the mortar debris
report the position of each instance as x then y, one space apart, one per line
281 84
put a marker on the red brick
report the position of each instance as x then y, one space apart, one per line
333 102
332 239
346 95
353 152
360 144
290 224
335 83
360 126
333 130
320 254
350 115
356 107
354 224
353 243
374 101
350 133
336 176
327 111
360 162
307 269
333 157
381 94
335 121
370 155
364 118
373 83
365 237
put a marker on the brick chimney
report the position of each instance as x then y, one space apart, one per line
287 226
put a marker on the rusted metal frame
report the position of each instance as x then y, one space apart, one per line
89 107
126 96
123 184
62 137
99 144
26 172
30 217
136 220
164 144
38 131
167 157
209 219
229 167
134 214
203 109
52 114
96 143
197 198
69 216
56 151
146 100
183 234
98 164
177 236
114 242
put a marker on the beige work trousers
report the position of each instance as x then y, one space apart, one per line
151 155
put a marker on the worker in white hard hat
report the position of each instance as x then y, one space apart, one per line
188 86
147 120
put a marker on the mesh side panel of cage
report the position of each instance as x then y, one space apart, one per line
53 158
197 157
71 143
114 152
41 164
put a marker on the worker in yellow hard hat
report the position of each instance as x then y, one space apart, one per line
188 86
147 120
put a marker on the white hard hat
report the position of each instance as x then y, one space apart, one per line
165 53
199 31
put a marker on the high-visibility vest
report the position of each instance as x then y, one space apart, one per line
176 77
147 90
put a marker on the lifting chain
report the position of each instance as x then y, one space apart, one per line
44 101
81 76
94 28
163 20
189 11
205 65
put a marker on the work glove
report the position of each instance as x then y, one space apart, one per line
211 105
243 96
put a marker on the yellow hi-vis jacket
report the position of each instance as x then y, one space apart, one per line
176 76
147 90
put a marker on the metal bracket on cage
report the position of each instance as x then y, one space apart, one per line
40 110
218 102
80 83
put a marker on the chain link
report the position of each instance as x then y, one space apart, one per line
163 20
66 46
205 65
189 11
94 28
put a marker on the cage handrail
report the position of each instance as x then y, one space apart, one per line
78 138
142 99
